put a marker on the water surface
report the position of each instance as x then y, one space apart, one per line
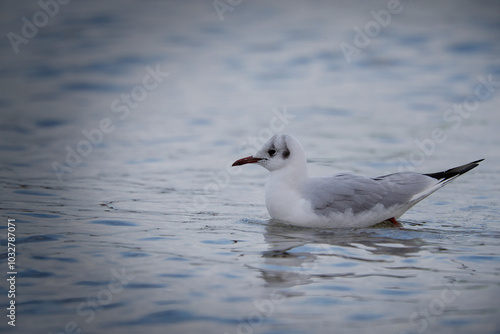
119 122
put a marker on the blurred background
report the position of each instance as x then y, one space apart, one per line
119 121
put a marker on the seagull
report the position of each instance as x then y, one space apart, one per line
341 200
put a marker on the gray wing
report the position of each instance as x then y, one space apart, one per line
342 192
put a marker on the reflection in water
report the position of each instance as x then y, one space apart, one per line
298 255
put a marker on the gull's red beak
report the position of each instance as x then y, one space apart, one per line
247 160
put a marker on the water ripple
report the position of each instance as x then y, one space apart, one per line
113 222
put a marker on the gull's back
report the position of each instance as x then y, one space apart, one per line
342 192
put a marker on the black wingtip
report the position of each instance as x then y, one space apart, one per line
448 174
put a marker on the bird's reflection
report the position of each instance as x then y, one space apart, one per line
296 256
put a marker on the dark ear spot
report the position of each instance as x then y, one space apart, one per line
286 153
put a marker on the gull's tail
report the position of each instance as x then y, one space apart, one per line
442 178
452 173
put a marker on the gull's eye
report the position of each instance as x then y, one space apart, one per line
272 152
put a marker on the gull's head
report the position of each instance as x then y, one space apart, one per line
278 152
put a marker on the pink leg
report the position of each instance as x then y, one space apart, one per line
395 222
